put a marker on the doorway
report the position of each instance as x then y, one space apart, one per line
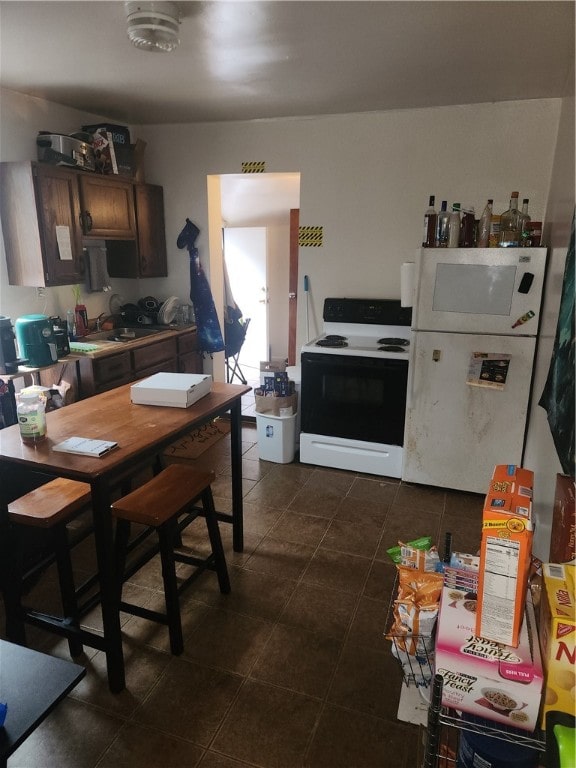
259 201
245 254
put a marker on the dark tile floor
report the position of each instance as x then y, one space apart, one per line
291 669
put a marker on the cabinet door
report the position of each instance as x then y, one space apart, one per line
151 233
107 207
58 211
189 359
159 354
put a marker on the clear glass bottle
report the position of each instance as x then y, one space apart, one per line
430 218
442 226
484 225
454 226
525 233
510 224
71 324
31 412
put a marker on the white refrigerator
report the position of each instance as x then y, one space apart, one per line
474 327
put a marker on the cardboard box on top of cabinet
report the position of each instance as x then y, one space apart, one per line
505 554
558 637
484 678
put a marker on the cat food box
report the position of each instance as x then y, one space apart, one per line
557 637
483 677
505 552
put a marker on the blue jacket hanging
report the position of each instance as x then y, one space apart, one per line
209 333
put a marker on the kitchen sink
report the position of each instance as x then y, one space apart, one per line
122 334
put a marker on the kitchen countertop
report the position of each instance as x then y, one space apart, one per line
114 347
106 348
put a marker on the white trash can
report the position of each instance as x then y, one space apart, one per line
276 437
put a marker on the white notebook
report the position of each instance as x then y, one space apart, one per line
84 446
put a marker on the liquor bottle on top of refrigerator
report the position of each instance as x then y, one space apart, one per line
454 226
525 234
442 226
484 225
510 224
468 228
430 218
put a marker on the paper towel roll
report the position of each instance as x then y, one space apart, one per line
407 284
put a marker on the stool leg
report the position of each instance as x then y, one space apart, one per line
215 541
67 588
166 535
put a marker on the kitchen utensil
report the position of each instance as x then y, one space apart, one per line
149 304
115 304
130 312
168 310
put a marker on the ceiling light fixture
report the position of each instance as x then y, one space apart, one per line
153 26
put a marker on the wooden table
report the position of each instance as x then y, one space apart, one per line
32 684
142 433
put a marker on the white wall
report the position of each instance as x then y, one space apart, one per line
365 178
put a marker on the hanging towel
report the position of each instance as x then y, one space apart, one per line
209 333
97 277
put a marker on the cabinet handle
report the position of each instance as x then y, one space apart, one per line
86 221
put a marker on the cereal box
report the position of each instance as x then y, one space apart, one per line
557 637
563 535
511 479
505 551
482 677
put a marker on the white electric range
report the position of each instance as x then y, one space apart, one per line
353 389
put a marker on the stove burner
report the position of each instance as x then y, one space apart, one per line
335 337
332 340
397 342
392 348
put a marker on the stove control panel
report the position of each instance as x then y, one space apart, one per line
367 311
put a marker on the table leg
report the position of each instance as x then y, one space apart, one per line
109 593
236 455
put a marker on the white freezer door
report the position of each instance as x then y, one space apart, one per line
456 432
479 290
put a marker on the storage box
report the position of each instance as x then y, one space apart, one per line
482 677
563 536
120 133
505 552
557 637
270 367
276 438
276 406
104 154
177 390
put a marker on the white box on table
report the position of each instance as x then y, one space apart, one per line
483 677
176 390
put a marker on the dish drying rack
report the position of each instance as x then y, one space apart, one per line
440 740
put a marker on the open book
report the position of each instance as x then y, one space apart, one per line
84 446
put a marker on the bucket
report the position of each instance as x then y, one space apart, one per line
477 750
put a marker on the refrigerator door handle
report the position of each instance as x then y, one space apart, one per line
410 385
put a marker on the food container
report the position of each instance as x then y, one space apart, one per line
482 677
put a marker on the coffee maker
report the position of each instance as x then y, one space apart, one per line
9 360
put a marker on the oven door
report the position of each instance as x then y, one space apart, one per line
359 398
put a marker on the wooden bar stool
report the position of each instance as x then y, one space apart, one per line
51 507
168 503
